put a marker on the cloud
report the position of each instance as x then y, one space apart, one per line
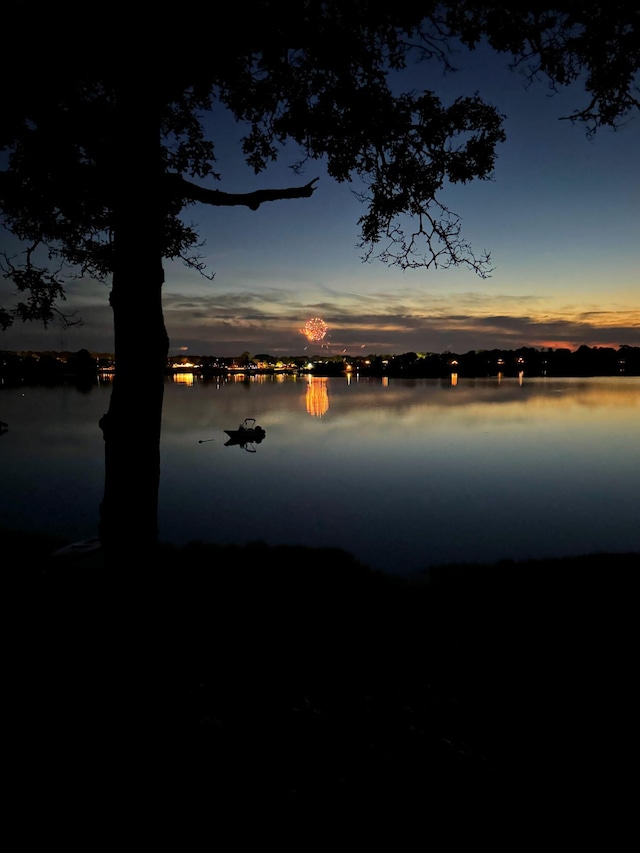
270 321
225 322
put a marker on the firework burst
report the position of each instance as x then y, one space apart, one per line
315 329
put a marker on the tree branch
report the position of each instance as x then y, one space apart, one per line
191 192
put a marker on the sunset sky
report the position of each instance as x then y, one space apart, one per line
561 219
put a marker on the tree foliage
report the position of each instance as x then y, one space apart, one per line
309 73
594 44
317 75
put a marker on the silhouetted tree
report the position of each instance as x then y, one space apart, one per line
595 43
105 148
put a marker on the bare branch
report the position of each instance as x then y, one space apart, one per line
437 243
196 262
191 192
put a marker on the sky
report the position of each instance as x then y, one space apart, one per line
560 217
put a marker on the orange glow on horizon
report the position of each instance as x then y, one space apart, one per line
573 346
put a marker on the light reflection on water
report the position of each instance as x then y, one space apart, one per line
404 474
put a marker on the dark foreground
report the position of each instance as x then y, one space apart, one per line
294 681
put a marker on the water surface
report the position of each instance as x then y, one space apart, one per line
403 474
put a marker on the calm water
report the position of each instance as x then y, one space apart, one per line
403 474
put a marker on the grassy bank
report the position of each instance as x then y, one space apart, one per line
296 676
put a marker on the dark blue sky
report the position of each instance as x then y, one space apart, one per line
561 219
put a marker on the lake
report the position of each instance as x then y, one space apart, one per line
404 474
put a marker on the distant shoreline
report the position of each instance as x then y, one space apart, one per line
31 366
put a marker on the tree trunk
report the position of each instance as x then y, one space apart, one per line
131 428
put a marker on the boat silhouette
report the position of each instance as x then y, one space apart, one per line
246 435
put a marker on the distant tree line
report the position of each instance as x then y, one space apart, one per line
51 367
25 367
585 361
